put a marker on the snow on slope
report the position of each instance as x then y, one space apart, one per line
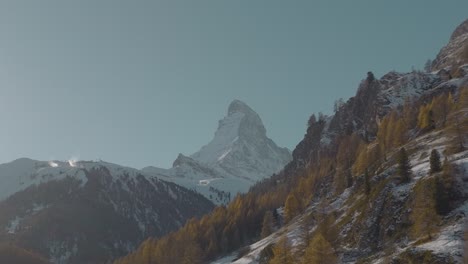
239 155
397 86
240 147
225 137
448 242
22 173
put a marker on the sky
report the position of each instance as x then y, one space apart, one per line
137 82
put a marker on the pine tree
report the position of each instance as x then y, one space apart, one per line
435 161
404 167
442 200
319 251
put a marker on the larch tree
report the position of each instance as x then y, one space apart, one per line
319 251
282 253
426 117
399 137
267 225
458 128
291 207
424 214
193 254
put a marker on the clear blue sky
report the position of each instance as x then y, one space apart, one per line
137 82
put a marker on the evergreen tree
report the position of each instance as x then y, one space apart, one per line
442 200
445 188
435 161
312 120
370 77
319 251
404 167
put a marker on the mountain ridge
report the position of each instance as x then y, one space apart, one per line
239 155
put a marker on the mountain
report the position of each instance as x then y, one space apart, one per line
418 221
455 53
239 155
88 212
382 180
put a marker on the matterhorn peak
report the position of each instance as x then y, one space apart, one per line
241 147
237 106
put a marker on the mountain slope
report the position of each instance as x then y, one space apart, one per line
239 155
360 187
88 212
372 229
455 53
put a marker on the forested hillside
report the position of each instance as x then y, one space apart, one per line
380 180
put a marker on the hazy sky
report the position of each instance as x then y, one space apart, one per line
137 82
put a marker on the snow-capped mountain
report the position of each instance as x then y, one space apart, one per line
88 212
239 155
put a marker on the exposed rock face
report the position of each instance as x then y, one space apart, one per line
456 51
460 30
239 155
241 147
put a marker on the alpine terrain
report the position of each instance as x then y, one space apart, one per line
382 180
86 212
239 155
